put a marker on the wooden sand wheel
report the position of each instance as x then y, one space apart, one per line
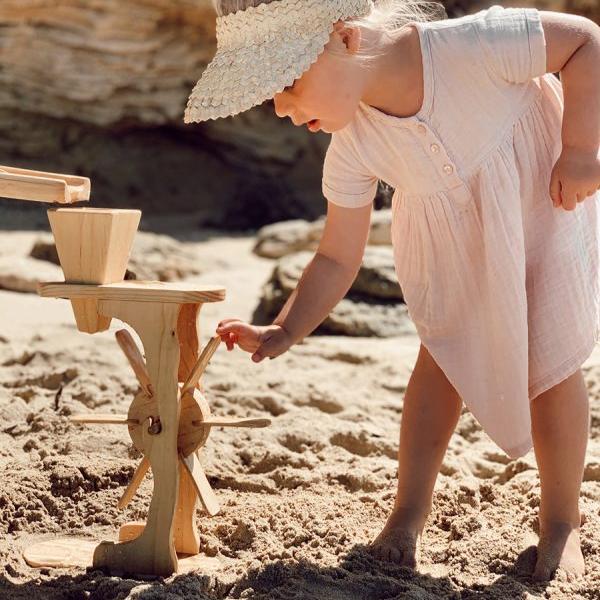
169 419
195 423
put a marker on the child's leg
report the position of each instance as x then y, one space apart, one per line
560 429
430 413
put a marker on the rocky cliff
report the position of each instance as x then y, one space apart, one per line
98 87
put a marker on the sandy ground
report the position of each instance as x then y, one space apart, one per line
299 500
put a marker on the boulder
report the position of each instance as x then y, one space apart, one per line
278 239
153 257
23 273
372 307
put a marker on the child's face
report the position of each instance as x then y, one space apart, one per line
326 96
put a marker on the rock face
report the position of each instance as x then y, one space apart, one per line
372 307
105 62
98 88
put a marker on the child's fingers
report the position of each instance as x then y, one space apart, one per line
226 322
229 327
230 339
555 189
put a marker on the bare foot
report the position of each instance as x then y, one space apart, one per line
399 541
558 547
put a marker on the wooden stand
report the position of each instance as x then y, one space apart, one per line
169 420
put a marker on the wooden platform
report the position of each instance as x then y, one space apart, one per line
70 552
136 291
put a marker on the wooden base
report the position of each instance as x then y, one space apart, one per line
64 553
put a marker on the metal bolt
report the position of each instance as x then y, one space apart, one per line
155 426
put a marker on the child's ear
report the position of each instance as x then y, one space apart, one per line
349 34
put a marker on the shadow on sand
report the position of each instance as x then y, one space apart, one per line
358 576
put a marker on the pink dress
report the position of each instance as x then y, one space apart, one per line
503 288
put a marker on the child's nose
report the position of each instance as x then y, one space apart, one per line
281 106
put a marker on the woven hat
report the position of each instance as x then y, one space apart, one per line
263 49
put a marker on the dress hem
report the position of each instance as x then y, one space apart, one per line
518 451
567 368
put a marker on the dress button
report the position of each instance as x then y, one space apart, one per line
448 168
421 128
434 148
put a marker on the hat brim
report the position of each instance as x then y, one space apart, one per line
236 80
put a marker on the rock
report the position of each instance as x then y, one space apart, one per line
22 273
162 258
103 63
99 89
372 307
377 277
153 257
357 318
380 233
44 248
278 239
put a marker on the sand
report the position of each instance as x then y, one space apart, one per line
300 500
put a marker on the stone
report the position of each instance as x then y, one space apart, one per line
373 305
377 276
23 273
162 258
380 233
153 256
278 239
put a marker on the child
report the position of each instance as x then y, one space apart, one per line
495 226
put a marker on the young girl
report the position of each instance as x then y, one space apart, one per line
495 228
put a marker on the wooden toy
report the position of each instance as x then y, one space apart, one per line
38 186
169 419
93 246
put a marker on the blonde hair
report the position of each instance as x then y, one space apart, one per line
387 16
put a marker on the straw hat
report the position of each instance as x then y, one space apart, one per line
263 49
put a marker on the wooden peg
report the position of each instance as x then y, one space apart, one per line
231 422
205 492
102 419
134 484
201 364
136 360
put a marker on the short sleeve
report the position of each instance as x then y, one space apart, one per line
512 42
346 180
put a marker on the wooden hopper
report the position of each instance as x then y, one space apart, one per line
93 246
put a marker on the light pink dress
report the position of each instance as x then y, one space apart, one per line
503 288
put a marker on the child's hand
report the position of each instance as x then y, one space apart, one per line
270 340
575 176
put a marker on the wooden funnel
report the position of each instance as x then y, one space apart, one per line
93 246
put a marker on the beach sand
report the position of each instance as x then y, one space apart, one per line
300 499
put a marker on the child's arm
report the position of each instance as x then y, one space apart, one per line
330 273
324 282
573 48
